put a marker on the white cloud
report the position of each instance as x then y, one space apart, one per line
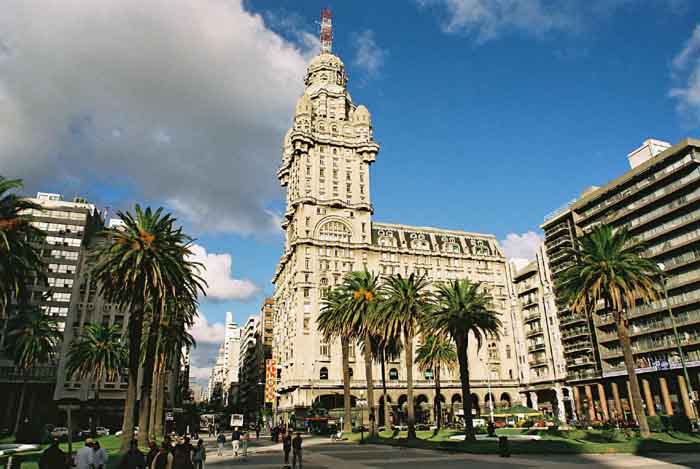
205 333
218 275
368 55
686 73
517 247
487 19
200 374
184 101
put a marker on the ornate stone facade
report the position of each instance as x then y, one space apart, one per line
329 231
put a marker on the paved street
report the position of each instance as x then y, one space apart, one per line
321 453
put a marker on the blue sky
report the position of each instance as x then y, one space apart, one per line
490 114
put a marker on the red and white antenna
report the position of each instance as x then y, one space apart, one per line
326 31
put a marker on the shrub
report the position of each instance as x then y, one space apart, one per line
678 423
528 423
655 423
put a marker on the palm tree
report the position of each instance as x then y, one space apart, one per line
385 348
437 352
363 288
99 352
405 303
462 308
20 259
144 262
31 340
608 266
332 323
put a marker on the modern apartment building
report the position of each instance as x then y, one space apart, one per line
538 341
657 201
232 360
251 389
69 226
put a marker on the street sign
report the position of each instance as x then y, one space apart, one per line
237 420
169 417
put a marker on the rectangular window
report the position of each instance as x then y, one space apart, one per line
307 292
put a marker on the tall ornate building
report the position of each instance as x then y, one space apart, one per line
329 231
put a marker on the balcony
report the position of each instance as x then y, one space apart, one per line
663 323
581 361
571 319
575 332
39 374
532 316
582 374
537 362
578 347
656 345
533 332
535 347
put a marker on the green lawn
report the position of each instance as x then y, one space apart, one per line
31 460
552 442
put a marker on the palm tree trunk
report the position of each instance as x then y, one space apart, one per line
18 419
135 326
154 400
387 408
462 345
625 343
370 386
409 387
158 429
438 408
347 418
147 380
95 419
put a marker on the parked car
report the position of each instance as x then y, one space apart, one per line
59 432
136 432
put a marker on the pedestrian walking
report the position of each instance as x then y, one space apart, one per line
152 452
236 441
164 458
84 456
296 451
99 456
133 459
286 447
220 440
245 437
257 432
182 459
53 457
199 455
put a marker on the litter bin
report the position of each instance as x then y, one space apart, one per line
503 447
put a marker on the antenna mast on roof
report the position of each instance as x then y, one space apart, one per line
326 35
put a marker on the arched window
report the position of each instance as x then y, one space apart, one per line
393 374
493 351
334 231
323 373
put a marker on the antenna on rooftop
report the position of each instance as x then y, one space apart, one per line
326 35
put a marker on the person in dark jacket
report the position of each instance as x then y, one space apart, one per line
286 446
133 459
152 451
53 457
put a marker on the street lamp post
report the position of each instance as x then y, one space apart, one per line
488 382
688 384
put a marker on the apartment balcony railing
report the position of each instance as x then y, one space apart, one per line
36 374
532 316
533 332
675 301
577 332
682 319
571 319
536 347
557 243
581 361
582 374
561 227
537 362
667 342
579 347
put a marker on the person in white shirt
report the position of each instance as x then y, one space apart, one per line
84 456
99 456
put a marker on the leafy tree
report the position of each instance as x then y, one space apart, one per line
99 352
608 266
437 352
405 303
20 259
31 340
333 323
462 308
143 263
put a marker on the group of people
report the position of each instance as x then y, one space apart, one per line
90 456
239 442
172 454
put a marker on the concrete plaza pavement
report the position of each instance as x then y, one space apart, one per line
320 453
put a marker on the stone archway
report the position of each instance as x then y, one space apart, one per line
475 405
382 411
505 400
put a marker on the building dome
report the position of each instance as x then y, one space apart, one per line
326 60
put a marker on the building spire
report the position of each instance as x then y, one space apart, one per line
326 35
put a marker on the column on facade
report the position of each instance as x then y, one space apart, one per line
533 399
648 398
577 401
589 401
523 399
603 402
683 391
629 401
619 414
561 412
665 397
